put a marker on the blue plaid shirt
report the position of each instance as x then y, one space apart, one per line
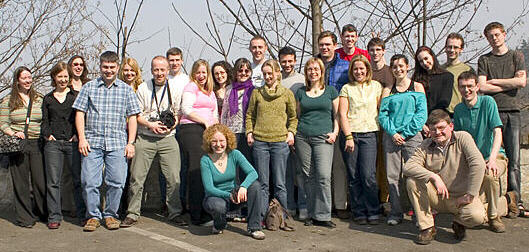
107 109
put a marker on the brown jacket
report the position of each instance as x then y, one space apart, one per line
461 166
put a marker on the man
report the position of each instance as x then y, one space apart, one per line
110 107
478 115
293 81
336 70
176 75
258 49
349 38
501 75
445 174
454 46
157 99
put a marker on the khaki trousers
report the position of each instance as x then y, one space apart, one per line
339 179
490 188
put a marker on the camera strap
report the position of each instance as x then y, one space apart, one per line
155 98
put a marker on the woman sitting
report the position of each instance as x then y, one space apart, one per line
218 168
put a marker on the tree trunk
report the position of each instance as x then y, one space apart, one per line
316 24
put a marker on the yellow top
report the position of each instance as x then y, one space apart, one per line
363 105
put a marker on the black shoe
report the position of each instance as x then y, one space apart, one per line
327 224
308 222
459 231
127 222
179 221
373 222
361 221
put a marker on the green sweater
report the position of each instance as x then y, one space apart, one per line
271 114
16 119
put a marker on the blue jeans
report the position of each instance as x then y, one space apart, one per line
56 152
361 171
315 159
92 177
271 157
511 141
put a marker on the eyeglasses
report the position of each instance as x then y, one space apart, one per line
243 71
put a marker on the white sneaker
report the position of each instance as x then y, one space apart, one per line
392 222
258 235
303 214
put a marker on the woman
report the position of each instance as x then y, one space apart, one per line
78 72
130 73
234 108
270 128
27 165
402 114
58 129
317 108
358 110
438 83
199 107
222 77
218 169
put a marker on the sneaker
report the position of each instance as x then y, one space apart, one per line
257 234
373 222
127 222
91 225
54 225
206 224
459 231
179 221
426 236
393 222
216 231
111 223
496 225
308 222
303 214
512 204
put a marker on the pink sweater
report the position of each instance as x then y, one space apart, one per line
194 100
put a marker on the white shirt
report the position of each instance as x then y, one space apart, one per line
257 75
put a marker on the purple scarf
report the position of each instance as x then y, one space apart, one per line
233 99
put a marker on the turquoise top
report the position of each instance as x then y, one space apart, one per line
480 121
403 113
219 184
316 116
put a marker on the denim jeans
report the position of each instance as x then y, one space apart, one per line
56 153
315 159
218 207
271 158
115 175
361 171
294 177
511 141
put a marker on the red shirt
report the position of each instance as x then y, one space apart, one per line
357 51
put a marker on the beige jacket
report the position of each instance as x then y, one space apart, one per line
461 166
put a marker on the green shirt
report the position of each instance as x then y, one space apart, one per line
316 117
480 121
456 70
16 119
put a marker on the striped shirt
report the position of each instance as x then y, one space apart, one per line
107 109
16 119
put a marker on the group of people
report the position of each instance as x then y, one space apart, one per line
349 126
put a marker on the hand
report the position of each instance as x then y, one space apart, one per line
426 131
74 139
19 135
492 167
158 127
51 138
464 200
249 139
349 145
129 151
290 139
84 147
398 139
242 195
331 137
440 186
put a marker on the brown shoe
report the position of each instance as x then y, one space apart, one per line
91 225
496 225
459 231
512 204
343 214
426 236
111 223
127 222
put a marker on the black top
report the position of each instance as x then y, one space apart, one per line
439 92
411 88
58 119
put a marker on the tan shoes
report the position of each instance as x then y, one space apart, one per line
426 236
91 225
111 223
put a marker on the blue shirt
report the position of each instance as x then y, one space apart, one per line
107 109
403 113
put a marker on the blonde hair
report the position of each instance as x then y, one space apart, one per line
363 59
136 68
275 68
208 87
321 81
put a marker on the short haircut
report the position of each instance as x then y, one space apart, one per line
325 34
467 75
159 57
376 42
398 57
173 51
109 56
231 143
321 81
363 59
287 50
257 37
493 25
438 115
349 28
56 69
455 35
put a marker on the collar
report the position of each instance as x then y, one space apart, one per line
477 105
117 82
433 144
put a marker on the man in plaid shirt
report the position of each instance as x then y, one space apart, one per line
103 107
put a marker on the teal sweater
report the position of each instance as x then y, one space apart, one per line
403 113
219 184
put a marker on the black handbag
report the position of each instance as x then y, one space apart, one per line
12 144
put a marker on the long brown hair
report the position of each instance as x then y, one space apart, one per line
56 69
15 101
84 75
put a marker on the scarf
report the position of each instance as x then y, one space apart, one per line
234 99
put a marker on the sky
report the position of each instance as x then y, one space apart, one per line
158 20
